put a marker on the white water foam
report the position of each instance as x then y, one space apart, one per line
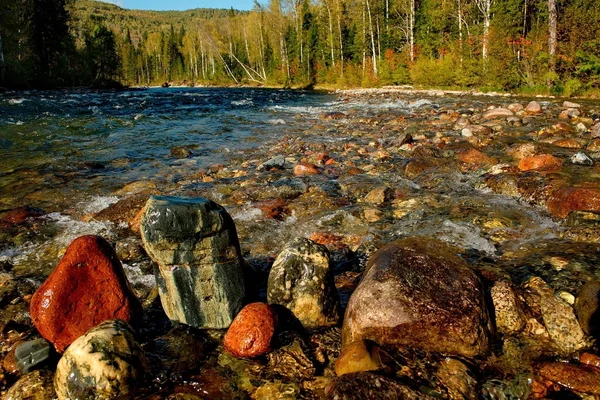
98 203
465 235
15 101
276 121
243 102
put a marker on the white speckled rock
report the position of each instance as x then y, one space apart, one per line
301 280
105 363
510 318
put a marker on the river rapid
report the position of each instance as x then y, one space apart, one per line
384 165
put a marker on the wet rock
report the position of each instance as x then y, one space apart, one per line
291 361
474 156
180 152
509 314
199 274
533 108
569 113
593 145
105 363
567 199
497 113
301 280
358 356
277 162
569 143
8 288
20 215
475 130
37 385
379 196
87 287
455 376
581 128
590 359
416 292
251 331
558 317
581 159
368 385
123 211
539 162
305 169
595 131
579 378
587 306
32 354
570 104
333 115
515 107
277 390
522 150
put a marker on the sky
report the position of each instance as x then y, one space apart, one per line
182 4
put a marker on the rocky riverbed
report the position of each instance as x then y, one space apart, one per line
448 248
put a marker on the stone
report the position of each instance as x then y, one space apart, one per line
251 331
499 112
587 306
455 376
474 156
32 354
593 145
579 378
194 242
510 318
20 215
539 162
581 158
570 104
558 317
569 113
180 152
368 385
475 130
87 287
564 200
595 131
302 281
569 143
522 150
277 162
292 361
379 196
515 107
581 128
105 363
590 359
416 292
277 390
533 108
305 169
358 356
34 386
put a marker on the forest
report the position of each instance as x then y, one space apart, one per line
523 46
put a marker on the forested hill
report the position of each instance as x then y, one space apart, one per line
532 46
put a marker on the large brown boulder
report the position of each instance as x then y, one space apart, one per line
418 293
87 288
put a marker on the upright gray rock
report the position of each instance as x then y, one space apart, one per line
417 292
301 280
195 244
105 363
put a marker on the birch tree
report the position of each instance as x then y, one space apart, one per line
485 6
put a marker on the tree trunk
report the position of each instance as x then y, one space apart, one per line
485 6
552 23
330 33
339 22
374 54
460 30
411 30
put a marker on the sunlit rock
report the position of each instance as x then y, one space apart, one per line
416 292
199 274
301 280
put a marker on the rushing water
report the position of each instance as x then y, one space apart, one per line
69 155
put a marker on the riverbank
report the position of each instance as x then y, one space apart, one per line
510 186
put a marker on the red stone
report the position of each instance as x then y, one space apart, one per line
564 200
20 214
273 208
87 287
305 168
539 162
251 331
474 156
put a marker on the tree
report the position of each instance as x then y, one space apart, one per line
485 6
101 54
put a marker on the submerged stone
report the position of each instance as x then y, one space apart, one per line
34 386
358 356
368 385
509 314
199 274
416 292
564 200
587 306
301 280
105 363
87 287
251 331
32 354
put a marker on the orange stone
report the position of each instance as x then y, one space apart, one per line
569 143
474 156
590 359
579 378
593 145
273 208
540 162
250 333
305 168
564 200
19 215
87 288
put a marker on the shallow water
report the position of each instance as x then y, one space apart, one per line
73 155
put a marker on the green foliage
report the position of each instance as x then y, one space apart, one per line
432 72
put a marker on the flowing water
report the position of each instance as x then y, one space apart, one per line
68 156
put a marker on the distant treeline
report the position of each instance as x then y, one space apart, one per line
531 46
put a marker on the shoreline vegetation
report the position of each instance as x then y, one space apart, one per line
529 48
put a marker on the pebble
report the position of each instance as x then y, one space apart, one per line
87 287
581 158
497 113
510 318
539 162
305 169
579 378
251 331
36 385
533 108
